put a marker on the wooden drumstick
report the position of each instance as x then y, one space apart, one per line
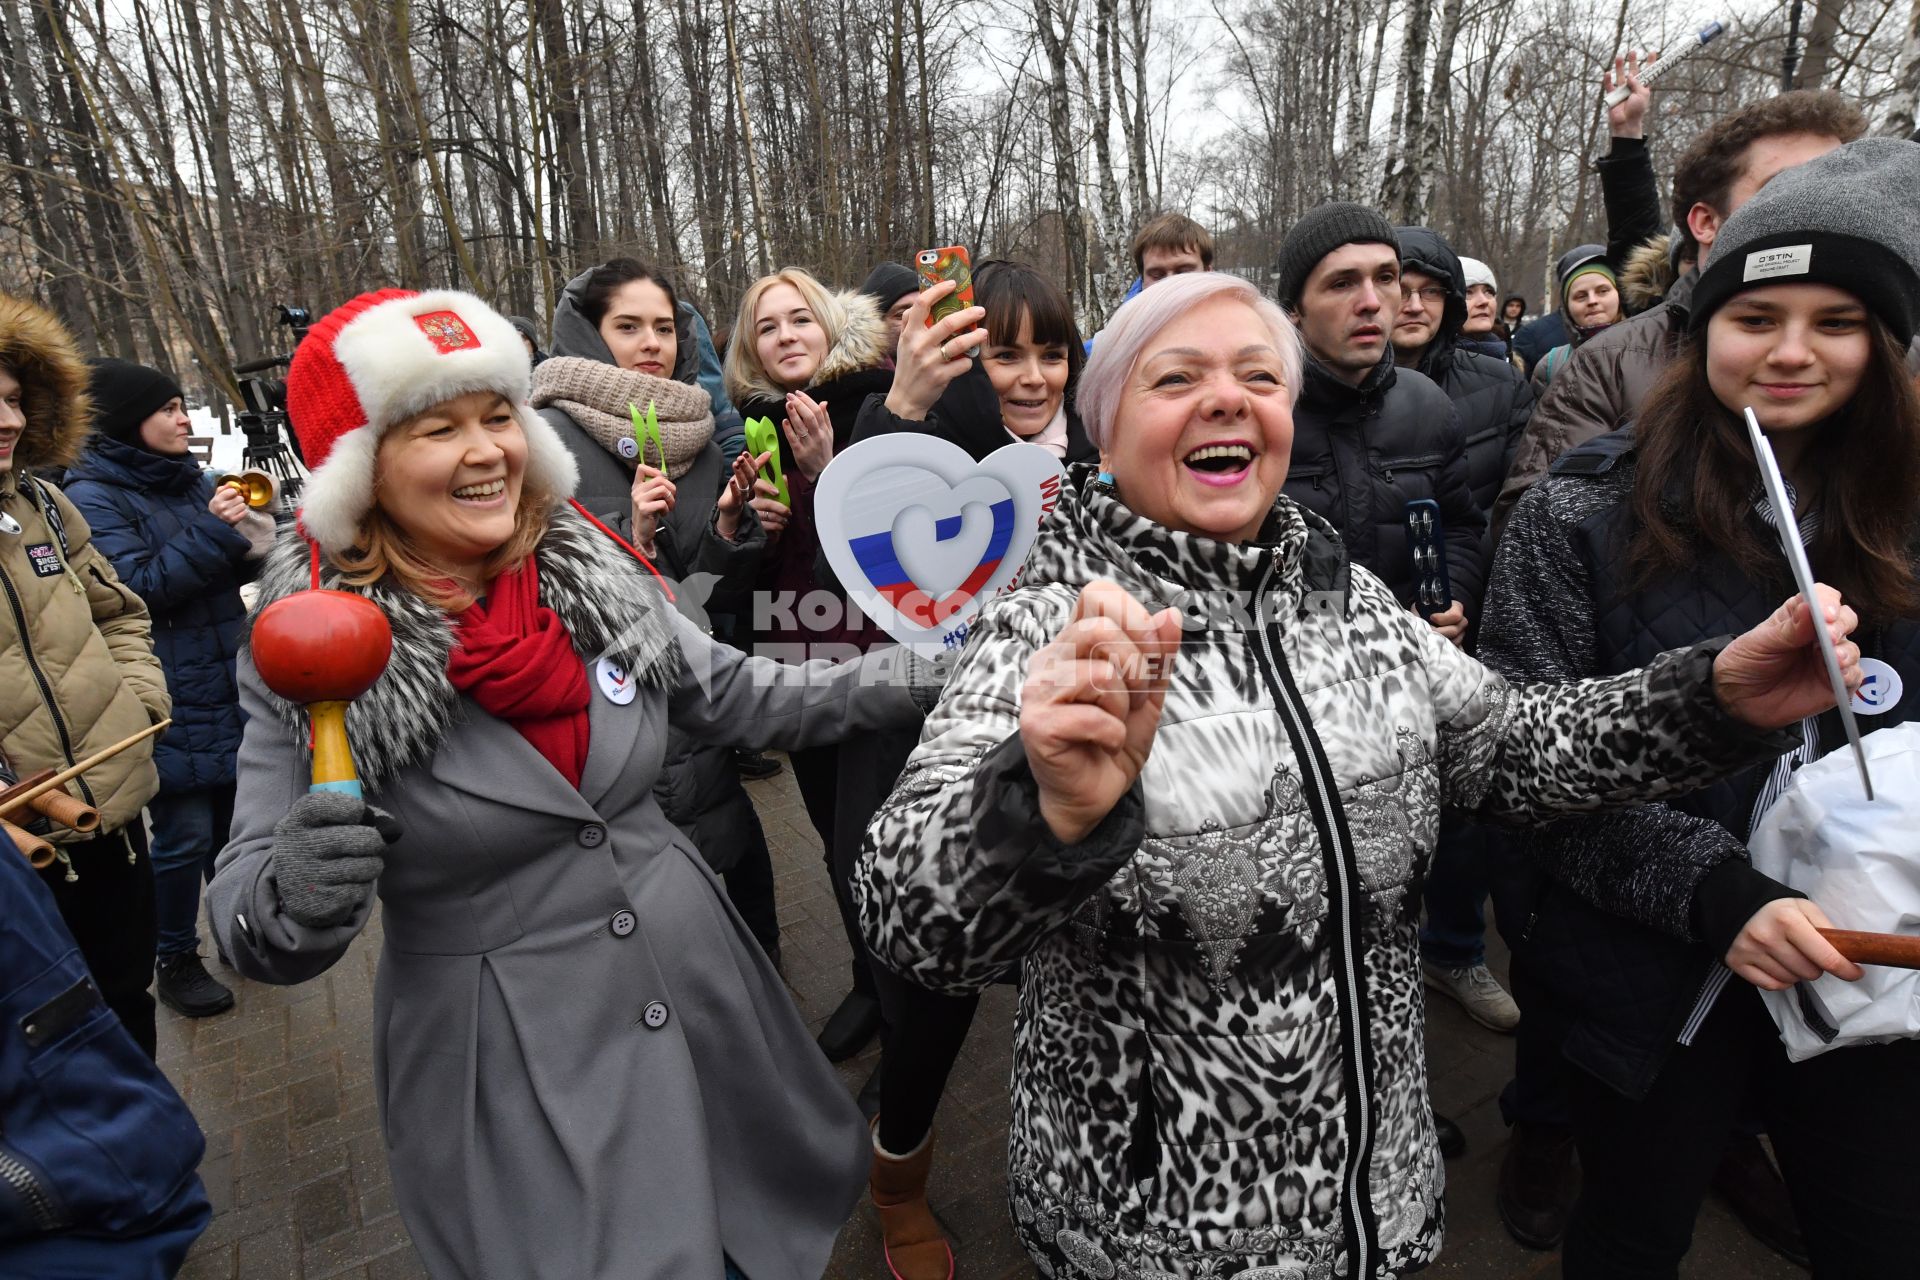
1894 950
23 797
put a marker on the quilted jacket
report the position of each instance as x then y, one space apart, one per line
1633 909
1218 1064
149 517
77 671
1360 454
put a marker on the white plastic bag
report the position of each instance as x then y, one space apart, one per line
1859 860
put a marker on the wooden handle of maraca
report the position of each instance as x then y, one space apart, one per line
1895 950
332 758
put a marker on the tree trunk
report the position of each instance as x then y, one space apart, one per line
1066 172
1139 27
1400 192
1906 93
746 135
1430 147
665 244
1820 40
570 156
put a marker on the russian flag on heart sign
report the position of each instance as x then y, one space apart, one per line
921 534
879 560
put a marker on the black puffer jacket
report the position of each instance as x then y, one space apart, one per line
1491 398
1360 454
1632 910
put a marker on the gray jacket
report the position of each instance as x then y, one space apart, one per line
585 1066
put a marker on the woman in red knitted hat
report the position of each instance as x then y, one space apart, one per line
571 1024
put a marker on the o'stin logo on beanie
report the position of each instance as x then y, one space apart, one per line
446 331
1790 260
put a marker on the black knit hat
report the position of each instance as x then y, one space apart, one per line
1850 219
1318 233
889 282
125 395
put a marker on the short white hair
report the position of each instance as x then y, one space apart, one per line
1122 343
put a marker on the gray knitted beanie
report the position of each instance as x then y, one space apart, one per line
1319 232
1850 219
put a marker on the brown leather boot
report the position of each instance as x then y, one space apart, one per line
916 1247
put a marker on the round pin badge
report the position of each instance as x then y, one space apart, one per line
628 449
1880 688
615 681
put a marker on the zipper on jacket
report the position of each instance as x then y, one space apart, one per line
1330 821
40 678
20 1176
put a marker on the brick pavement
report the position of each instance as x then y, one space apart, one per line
283 1087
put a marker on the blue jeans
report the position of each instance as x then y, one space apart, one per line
1454 934
189 831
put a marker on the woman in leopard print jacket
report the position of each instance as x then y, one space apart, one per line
1218 1060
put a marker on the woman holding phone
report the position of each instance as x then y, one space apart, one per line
1651 929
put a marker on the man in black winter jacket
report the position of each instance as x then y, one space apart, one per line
1493 402
1369 437
1490 396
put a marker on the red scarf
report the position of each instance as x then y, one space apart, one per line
515 658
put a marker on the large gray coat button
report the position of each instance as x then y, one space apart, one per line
592 835
655 1015
622 923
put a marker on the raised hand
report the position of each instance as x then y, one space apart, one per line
1629 119
1780 944
1092 703
931 356
1774 676
810 432
738 489
653 496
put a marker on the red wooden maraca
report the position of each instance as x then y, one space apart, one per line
323 649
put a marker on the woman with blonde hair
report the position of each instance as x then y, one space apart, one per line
585 1065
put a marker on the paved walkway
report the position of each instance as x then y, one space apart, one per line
283 1087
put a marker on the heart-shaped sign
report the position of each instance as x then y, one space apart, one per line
922 536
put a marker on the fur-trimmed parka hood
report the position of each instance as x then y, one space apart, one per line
37 349
1647 274
609 603
862 344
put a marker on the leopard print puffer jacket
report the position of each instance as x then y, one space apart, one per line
1218 1066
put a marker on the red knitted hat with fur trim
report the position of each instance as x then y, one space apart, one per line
384 357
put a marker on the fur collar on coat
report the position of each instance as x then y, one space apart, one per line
862 345
607 600
37 349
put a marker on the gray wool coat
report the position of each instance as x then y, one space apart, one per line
585 1066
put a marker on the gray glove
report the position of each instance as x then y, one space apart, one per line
327 852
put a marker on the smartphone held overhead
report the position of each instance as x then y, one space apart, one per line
950 263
